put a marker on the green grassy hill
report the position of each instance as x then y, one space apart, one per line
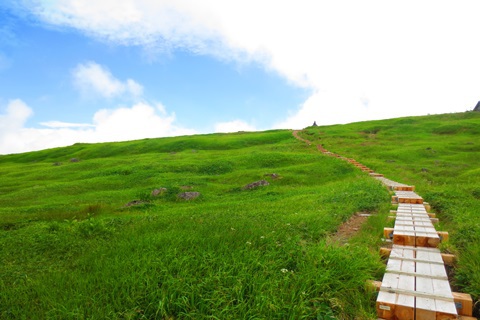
71 248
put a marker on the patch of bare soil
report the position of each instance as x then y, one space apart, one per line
350 227
295 134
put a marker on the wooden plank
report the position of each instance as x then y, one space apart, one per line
449 259
463 303
388 233
432 307
443 235
391 305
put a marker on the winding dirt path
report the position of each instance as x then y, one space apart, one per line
350 227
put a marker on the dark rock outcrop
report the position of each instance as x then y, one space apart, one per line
477 107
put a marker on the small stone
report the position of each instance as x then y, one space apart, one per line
157 192
74 160
189 195
256 184
424 170
272 175
134 203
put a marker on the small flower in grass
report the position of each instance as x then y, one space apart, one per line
284 270
249 243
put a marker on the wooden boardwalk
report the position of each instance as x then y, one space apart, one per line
415 285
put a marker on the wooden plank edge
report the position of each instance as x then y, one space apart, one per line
448 259
432 220
388 234
463 303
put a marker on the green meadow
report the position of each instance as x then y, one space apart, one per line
71 248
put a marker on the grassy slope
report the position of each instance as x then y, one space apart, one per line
438 154
70 249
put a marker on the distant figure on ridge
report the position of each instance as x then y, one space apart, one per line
477 107
315 122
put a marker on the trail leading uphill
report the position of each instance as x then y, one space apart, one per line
415 285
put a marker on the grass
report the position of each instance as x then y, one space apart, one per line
71 249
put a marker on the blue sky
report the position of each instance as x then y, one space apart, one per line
79 71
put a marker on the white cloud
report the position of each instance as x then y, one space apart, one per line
60 124
93 79
142 120
409 57
17 114
233 126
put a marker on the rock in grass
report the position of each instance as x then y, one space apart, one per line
134 203
189 195
74 160
256 184
157 192
272 175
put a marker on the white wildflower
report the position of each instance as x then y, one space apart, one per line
284 270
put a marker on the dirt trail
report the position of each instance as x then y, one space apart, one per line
350 227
